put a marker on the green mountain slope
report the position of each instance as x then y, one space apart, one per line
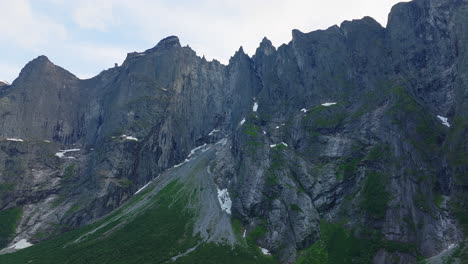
155 226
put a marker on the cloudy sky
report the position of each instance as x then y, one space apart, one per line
88 36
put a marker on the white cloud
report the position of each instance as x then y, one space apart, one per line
217 28
102 54
93 14
20 25
212 28
9 72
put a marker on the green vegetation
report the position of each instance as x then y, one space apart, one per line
348 168
374 196
69 171
459 206
6 187
164 230
324 117
271 179
276 158
458 159
8 221
296 208
381 152
251 130
237 228
460 255
438 199
252 137
428 136
338 245
257 233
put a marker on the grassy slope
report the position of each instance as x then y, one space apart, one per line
8 221
161 232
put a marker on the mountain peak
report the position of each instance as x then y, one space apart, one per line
41 60
4 83
167 43
265 42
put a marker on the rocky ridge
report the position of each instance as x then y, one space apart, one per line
338 126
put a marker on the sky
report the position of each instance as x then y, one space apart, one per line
88 36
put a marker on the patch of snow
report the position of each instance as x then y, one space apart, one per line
182 163
444 120
242 121
245 232
46 141
129 138
5 82
185 253
23 243
193 151
265 251
141 189
264 132
255 107
277 127
213 131
61 154
164 89
222 142
282 143
15 139
224 200
304 110
328 104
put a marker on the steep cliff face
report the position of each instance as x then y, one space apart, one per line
352 136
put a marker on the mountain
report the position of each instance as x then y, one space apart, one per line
346 145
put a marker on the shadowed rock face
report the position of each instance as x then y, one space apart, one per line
292 161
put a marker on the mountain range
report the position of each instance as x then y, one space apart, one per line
346 145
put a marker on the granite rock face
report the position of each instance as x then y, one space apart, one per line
314 126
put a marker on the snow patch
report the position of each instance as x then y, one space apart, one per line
255 107
193 151
23 243
265 251
224 200
46 141
242 121
304 110
5 82
282 143
141 189
444 120
15 139
277 127
129 138
264 132
328 104
213 132
62 153
245 232
222 142
182 163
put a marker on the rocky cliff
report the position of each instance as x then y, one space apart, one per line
349 139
